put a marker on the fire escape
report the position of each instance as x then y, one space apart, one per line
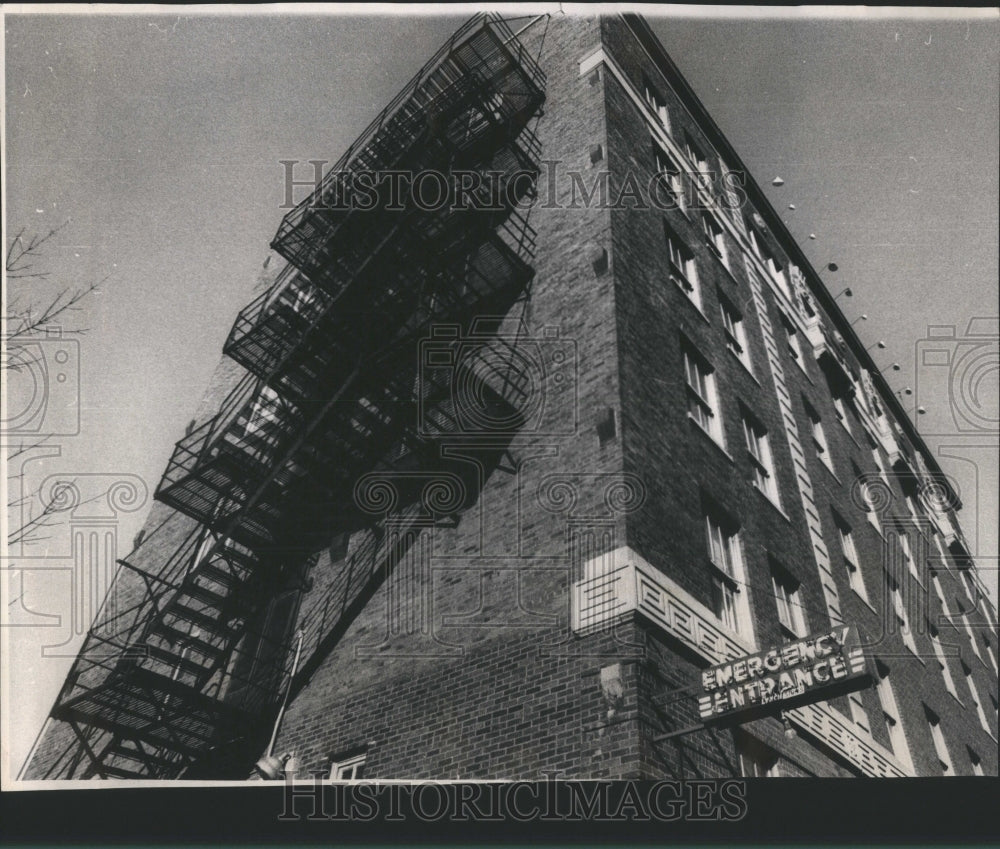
191 656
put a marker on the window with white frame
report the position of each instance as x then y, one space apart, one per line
879 462
972 637
765 255
899 612
854 577
906 552
735 331
715 237
892 717
840 407
787 596
949 682
759 448
976 700
937 735
756 760
975 762
939 592
656 102
683 271
348 768
668 175
869 495
818 435
970 583
794 344
992 654
695 154
858 713
729 597
703 398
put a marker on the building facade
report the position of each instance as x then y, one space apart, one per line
483 489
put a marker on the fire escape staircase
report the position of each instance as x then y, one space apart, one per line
335 390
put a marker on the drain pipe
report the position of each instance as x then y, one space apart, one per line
269 762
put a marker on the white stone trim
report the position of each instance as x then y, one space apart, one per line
621 582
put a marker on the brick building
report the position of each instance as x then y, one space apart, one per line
481 493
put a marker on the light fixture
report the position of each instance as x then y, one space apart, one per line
777 181
846 292
921 411
904 391
832 266
272 766
812 235
790 731
862 317
791 206
880 345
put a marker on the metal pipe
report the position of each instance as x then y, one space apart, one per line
288 689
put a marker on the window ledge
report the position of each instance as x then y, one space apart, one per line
828 466
691 301
743 365
865 601
771 501
711 439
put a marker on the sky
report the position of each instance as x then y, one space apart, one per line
157 141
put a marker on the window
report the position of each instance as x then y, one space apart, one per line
854 576
818 435
899 611
773 266
972 637
703 401
869 491
934 723
939 592
975 762
682 267
656 103
949 682
756 759
880 463
715 238
668 175
906 552
695 154
840 406
736 338
794 345
989 650
892 716
976 700
760 456
348 768
728 584
858 714
787 595
970 583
